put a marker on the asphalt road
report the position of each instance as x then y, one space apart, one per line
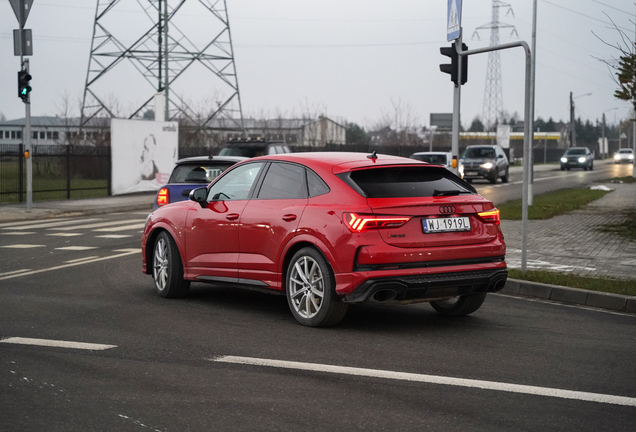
212 361
548 178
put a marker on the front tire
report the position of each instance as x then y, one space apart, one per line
504 178
310 288
167 268
459 306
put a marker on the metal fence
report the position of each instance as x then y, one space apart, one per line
59 172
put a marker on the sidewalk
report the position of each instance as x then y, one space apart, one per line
566 244
89 206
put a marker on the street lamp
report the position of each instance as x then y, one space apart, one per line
572 124
604 147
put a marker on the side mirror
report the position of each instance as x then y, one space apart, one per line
499 157
199 195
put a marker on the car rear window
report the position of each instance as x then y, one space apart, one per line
434 159
406 182
199 173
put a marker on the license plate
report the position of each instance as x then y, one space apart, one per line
470 173
449 224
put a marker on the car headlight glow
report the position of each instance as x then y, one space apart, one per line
581 159
564 160
630 157
617 156
487 165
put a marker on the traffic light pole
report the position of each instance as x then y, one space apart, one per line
527 134
457 102
28 153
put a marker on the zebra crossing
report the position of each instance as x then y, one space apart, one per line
25 233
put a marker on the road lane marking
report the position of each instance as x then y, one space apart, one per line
50 224
114 236
122 228
432 379
122 253
99 225
56 343
76 248
18 233
64 234
81 259
14 272
22 246
30 222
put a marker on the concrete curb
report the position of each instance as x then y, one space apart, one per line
602 300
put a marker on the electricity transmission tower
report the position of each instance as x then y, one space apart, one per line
182 50
493 99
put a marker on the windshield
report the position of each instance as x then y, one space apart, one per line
575 152
479 153
242 151
199 173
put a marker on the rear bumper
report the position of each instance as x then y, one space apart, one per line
426 287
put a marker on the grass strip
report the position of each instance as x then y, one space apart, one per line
615 286
551 204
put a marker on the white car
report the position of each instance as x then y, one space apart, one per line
624 155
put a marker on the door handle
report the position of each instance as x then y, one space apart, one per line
289 217
232 216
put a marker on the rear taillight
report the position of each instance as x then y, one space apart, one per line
490 216
163 197
358 223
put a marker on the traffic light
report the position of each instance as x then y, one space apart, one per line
452 68
24 79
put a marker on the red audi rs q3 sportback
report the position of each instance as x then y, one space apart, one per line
330 229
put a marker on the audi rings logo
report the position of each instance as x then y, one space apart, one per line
447 209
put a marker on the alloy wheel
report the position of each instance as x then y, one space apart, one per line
160 264
307 287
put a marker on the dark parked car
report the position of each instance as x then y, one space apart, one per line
577 157
330 229
485 161
191 173
253 148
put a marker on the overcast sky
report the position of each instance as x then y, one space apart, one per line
353 60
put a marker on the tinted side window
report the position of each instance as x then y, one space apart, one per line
316 185
283 181
401 182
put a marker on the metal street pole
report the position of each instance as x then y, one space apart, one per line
28 152
457 100
532 96
572 125
527 138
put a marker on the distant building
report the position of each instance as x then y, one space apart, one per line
297 132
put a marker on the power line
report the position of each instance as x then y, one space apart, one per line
586 16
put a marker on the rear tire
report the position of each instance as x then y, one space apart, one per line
167 268
459 306
310 288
